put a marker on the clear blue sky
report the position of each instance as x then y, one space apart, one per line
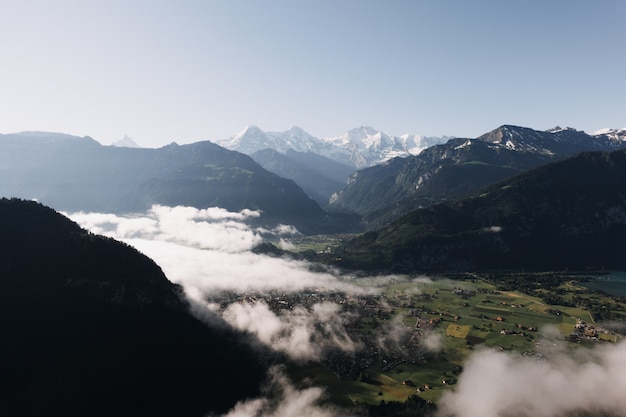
184 71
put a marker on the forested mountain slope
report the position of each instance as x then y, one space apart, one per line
568 214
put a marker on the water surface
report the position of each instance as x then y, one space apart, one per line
614 283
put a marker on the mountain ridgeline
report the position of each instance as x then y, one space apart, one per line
358 148
565 215
322 166
78 174
457 168
91 327
290 177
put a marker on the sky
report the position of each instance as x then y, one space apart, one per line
184 71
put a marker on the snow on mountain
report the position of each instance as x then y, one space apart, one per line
522 139
360 147
613 134
253 139
248 141
126 142
372 147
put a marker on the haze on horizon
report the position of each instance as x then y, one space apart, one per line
203 70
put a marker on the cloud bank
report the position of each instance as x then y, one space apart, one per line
208 250
564 382
298 332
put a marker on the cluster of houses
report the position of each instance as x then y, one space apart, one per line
584 331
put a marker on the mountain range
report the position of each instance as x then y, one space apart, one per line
72 173
564 215
461 166
360 147
92 327
290 184
322 166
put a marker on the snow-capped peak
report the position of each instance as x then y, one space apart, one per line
361 147
557 129
126 142
297 131
361 132
248 140
604 131
253 139
613 134
370 146
250 131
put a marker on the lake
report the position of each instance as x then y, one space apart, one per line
614 283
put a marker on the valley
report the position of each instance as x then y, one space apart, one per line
415 333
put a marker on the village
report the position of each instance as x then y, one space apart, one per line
587 332
392 324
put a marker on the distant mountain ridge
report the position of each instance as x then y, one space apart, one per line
459 167
359 147
614 134
72 173
126 142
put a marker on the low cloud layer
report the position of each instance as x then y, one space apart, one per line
563 382
298 332
208 250
212 228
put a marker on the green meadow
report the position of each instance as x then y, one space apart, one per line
468 314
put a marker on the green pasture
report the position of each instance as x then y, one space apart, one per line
464 320
457 330
389 386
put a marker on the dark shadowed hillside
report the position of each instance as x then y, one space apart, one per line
91 327
568 214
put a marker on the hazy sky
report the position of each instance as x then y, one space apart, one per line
184 71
